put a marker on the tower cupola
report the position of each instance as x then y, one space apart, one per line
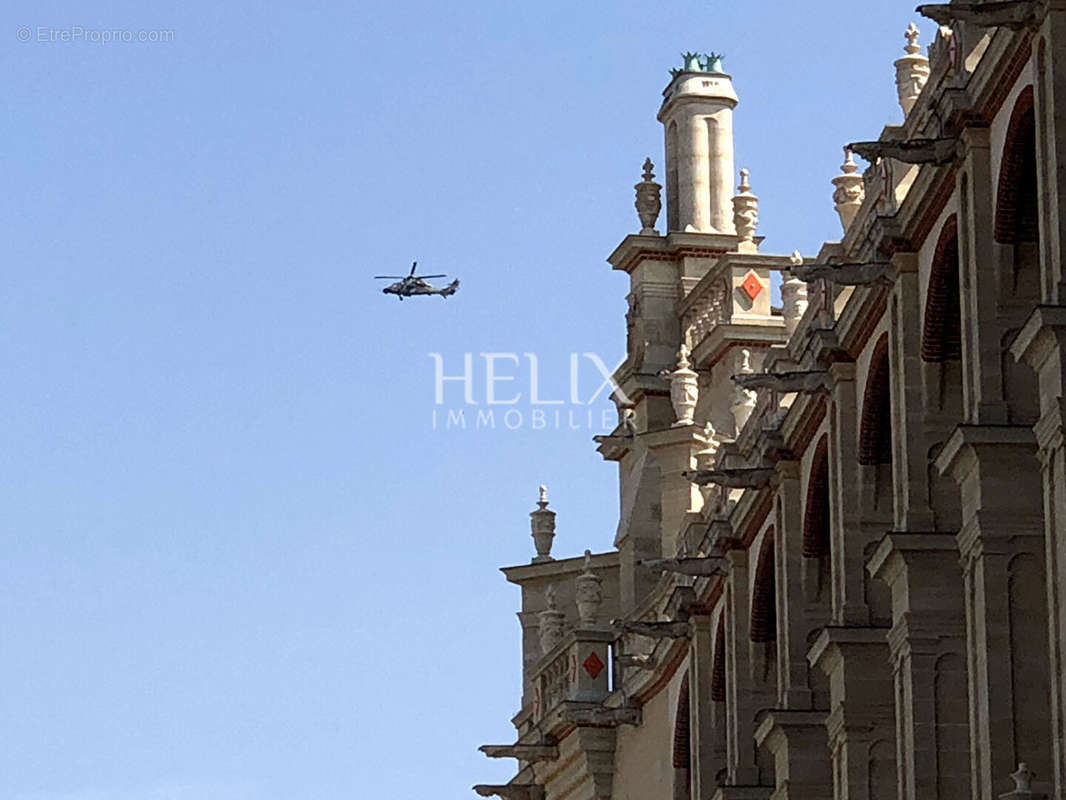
697 114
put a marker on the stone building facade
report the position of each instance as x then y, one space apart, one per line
840 563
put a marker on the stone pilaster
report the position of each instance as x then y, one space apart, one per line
859 724
983 400
910 460
743 699
1049 48
1001 544
1042 345
928 649
797 741
848 577
706 756
796 616
675 452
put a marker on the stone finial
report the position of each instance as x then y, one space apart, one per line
793 296
1023 785
850 190
550 622
912 71
746 214
1023 778
649 200
684 388
542 522
589 593
743 399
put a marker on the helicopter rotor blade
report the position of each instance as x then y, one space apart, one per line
430 276
413 265
390 277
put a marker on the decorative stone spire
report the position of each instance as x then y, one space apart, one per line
542 521
649 200
793 297
746 215
684 388
589 593
550 623
743 399
850 190
912 71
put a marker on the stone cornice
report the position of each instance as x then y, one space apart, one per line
672 247
606 562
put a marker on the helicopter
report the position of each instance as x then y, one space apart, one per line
411 284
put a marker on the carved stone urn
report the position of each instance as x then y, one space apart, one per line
849 191
542 521
550 623
684 388
793 297
589 593
649 200
743 399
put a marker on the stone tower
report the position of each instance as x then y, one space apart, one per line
697 115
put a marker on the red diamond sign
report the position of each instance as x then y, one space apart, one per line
593 666
752 285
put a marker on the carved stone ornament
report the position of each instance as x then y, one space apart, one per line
743 399
551 623
649 200
912 71
589 592
850 190
746 214
542 522
793 297
684 388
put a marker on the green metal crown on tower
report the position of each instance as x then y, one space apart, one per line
700 62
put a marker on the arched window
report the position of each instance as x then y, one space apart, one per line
682 757
816 512
718 668
875 434
764 595
1017 219
942 333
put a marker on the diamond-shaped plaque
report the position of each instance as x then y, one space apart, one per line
752 285
593 666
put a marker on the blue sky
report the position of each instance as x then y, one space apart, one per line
237 562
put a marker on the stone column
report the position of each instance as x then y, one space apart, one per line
1049 47
859 725
928 650
910 459
705 761
675 452
742 699
848 578
1002 547
1042 345
796 618
983 400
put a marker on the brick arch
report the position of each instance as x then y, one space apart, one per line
875 432
682 755
942 331
816 510
1017 218
718 667
764 594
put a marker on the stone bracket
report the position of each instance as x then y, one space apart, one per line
1015 15
530 753
655 630
511 791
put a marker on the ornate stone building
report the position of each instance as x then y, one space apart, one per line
840 563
